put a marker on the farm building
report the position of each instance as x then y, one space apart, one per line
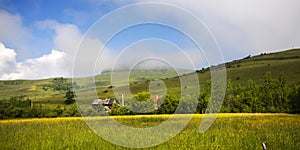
106 103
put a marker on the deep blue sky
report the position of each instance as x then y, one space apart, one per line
37 10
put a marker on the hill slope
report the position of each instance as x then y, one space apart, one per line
254 68
249 68
52 90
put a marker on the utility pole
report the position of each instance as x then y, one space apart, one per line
264 146
122 100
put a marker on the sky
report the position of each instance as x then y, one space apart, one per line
40 39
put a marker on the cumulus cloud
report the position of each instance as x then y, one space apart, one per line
50 65
66 39
46 66
58 62
7 60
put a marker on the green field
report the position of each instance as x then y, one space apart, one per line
229 131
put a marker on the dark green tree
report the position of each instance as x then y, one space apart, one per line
69 97
145 103
143 96
169 105
119 110
202 102
294 96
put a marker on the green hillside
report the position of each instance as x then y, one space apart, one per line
52 90
254 68
238 72
249 68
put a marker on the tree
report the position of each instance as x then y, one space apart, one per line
144 103
119 110
203 102
282 93
169 105
294 96
69 97
143 96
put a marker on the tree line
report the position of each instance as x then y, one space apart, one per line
24 107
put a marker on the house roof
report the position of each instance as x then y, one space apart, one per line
104 101
97 101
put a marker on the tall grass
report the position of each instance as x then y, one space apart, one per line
229 131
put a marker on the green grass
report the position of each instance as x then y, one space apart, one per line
24 87
229 131
240 71
255 70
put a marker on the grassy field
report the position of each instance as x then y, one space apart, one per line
229 131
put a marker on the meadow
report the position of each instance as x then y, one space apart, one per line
229 131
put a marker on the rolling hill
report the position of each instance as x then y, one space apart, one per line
51 91
249 68
287 62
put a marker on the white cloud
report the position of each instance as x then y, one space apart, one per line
50 65
59 62
7 60
11 26
67 39
254 25
67 36
13 33
247 27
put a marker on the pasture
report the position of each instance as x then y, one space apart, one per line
229 131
